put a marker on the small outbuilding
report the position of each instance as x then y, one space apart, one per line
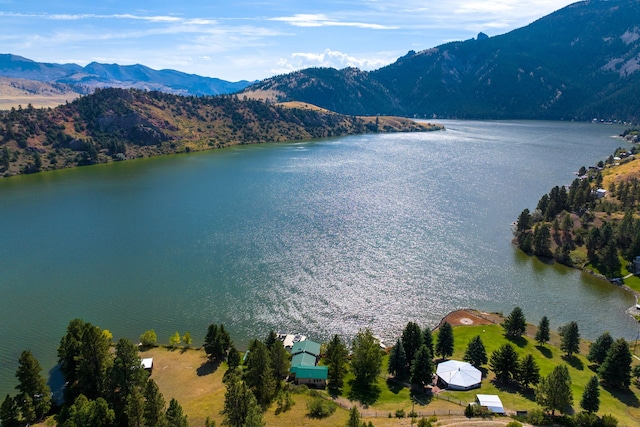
491 402
147 364
456 375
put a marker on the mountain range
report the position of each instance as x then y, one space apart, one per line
95 75
579 63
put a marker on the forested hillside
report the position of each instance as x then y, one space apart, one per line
578 63
594 223
119 124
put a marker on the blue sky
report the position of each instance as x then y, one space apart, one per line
247 39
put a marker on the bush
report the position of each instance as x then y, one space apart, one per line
320 408
400 413
149 338
538 418
514 424
609 420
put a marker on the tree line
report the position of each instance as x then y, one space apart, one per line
580 225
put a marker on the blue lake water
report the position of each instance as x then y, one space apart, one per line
319 237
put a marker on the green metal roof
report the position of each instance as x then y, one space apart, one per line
306 346
303 359
311 372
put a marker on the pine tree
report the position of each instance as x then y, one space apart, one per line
9 412
590 401
254 416
528 371
175 416
336 360
354 418
542 334
216 342
125 376
259 374
427 338
237 398
411 340
154 406
33 388
515 324
444 343
422 367
570 338
554 391
233 357
476 353
397 360
599 348
504 363
280 362
615 371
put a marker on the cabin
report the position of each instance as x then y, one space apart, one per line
314 376
147 364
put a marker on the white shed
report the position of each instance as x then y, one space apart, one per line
491 402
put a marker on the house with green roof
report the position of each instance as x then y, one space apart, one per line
304 360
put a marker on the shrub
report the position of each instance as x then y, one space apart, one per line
609 420
537 417
149 338
320 408
514 424
400 413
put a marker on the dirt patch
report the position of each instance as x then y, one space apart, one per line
470 317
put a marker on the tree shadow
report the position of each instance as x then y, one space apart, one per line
625 396
529 394
208 367
546 352
394 385
484 371
519 341
365 394
334 392
422 398
574 362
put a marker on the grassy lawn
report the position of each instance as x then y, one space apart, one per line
198 387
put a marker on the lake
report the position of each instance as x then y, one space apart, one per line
317 237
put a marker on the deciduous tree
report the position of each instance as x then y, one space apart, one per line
149 338
554 391
366 359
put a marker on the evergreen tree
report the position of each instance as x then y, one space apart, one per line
133 413
216 342
280 360
528 371
422 367
444 343
175 416
233 357
515 324
366 358
336 360
90 413
570 338
397 360
427 338
524 221
554 391
259 374
187 339
174 339
154 406
542 334
411 340
354 417
504 363
125 375
590 401
599 348
254 416
69 353
271 339
476 353
9 412
541 242
237 399
93 362
615 371
33 388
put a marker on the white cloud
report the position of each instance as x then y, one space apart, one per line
332 58
322 20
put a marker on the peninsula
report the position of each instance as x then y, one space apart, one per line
120 124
